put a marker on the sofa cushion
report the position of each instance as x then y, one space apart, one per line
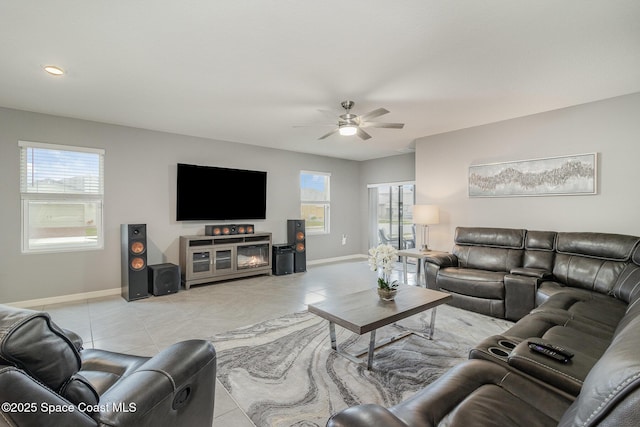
539 323
487 258
593 274
610 395
79 390
30 341
477 392
539 250
540 240
627 287
468 281
104 369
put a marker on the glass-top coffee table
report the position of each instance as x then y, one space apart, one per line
364 312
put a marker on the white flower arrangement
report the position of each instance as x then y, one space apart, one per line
382 257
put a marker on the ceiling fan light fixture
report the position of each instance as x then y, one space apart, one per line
348 130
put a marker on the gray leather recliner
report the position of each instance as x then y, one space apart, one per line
47 379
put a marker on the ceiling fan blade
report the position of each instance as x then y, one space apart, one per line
329 134
373 114
383 125
313 125
330 114
363 135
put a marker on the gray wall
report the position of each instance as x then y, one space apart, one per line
140 187
609 127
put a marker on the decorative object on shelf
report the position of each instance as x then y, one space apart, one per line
426 215
381 259
564 175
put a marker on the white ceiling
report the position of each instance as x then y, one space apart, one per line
249 70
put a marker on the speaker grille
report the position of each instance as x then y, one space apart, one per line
164 279
137 248
137 263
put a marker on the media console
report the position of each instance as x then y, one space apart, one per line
205 259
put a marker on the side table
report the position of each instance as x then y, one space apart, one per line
420 255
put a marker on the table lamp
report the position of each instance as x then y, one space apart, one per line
425 215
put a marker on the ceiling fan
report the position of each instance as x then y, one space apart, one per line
353 124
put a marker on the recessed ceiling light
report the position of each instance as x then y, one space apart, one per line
53 70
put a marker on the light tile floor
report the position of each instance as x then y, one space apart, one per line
146 326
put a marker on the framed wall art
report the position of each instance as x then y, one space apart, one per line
553 176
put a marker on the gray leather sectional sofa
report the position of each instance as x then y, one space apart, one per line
584 293
505 272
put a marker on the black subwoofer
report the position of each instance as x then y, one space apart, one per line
296 236
134 282
282 260
164 279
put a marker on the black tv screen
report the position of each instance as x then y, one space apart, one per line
212 193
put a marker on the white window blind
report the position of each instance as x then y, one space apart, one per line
62 190
315 201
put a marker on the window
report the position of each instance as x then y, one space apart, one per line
62 191
315 201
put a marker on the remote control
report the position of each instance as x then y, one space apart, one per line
549 353
563 351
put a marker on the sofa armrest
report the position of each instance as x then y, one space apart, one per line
441 259
433 262
568 376
519 295
538 273
174 388
369 415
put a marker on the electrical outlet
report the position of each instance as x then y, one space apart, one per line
344 239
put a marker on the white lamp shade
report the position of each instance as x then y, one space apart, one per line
426 214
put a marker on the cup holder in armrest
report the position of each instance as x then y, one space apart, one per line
507 344
498 352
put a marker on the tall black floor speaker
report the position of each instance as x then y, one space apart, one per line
296 236
134 261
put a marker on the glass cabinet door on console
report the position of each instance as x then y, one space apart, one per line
200 262
224 259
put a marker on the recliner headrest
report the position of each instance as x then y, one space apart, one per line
540 240
30 341
615 247
508 238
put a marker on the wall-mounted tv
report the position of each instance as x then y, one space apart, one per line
213 193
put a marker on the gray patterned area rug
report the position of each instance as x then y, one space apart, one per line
282 372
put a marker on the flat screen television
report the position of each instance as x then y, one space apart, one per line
213 193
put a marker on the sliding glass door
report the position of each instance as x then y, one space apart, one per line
391 215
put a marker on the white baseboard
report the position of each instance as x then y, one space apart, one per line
117 291
337 259
65 298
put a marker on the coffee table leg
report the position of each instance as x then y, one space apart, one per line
332 335
432 325
372 347
404 268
